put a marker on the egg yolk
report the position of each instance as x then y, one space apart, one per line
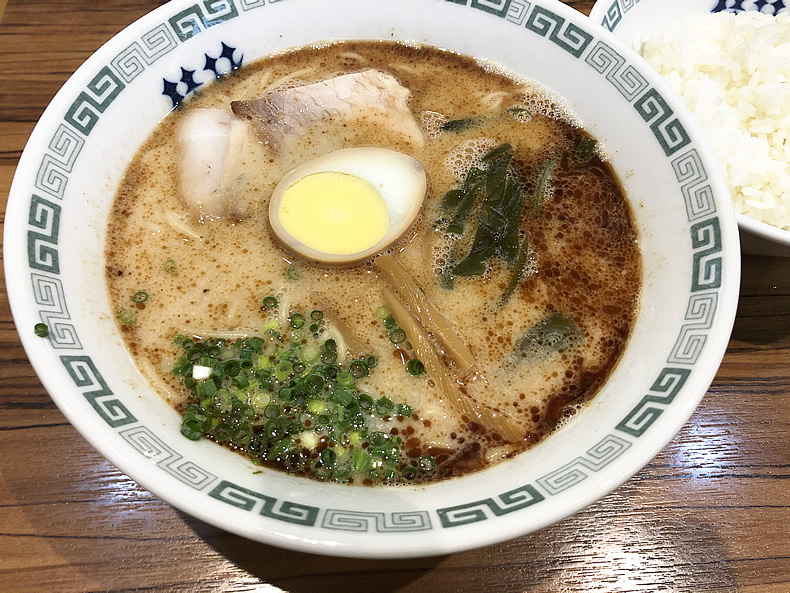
334 212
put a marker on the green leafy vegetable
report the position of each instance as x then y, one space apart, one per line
464 199
518 270
540 193
456 125
583 151
498 217
554 333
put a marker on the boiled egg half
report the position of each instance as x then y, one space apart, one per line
348 205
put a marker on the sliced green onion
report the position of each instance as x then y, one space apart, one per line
209 388
274 429
382 313
41 330
269 302
343 472
241 381
415 366
289 408
294 459
384 406
271 411
316 315
377 438
426 463
345 378
330 372
358 369
397 336
232 367
191 429
309 353
242 434
170 266
313 384
306 420
404 410
360 460
316 406
127 317
140 296
222 432
283 370
341 396
365 401
409 473
328 458
296 320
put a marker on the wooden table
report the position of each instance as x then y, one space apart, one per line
710 513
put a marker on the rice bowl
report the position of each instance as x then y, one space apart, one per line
737 96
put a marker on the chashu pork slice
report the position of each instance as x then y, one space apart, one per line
343 105
215 146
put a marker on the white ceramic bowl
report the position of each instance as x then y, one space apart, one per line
54 243
628 20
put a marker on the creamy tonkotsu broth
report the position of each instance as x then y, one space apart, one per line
545 321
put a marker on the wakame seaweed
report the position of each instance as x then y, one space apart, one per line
555 332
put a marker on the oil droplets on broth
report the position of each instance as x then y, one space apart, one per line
500 309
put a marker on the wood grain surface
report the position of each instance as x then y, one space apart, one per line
710 513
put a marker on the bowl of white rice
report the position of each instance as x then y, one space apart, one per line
729 60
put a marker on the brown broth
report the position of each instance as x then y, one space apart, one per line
584 257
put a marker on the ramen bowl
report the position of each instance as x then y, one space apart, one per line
630 21
54 257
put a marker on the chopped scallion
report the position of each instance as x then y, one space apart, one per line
296 320
415 366
294 406
359 369
397 336
127 317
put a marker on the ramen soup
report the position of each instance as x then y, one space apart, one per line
373 263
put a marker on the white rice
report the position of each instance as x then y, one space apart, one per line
733 72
